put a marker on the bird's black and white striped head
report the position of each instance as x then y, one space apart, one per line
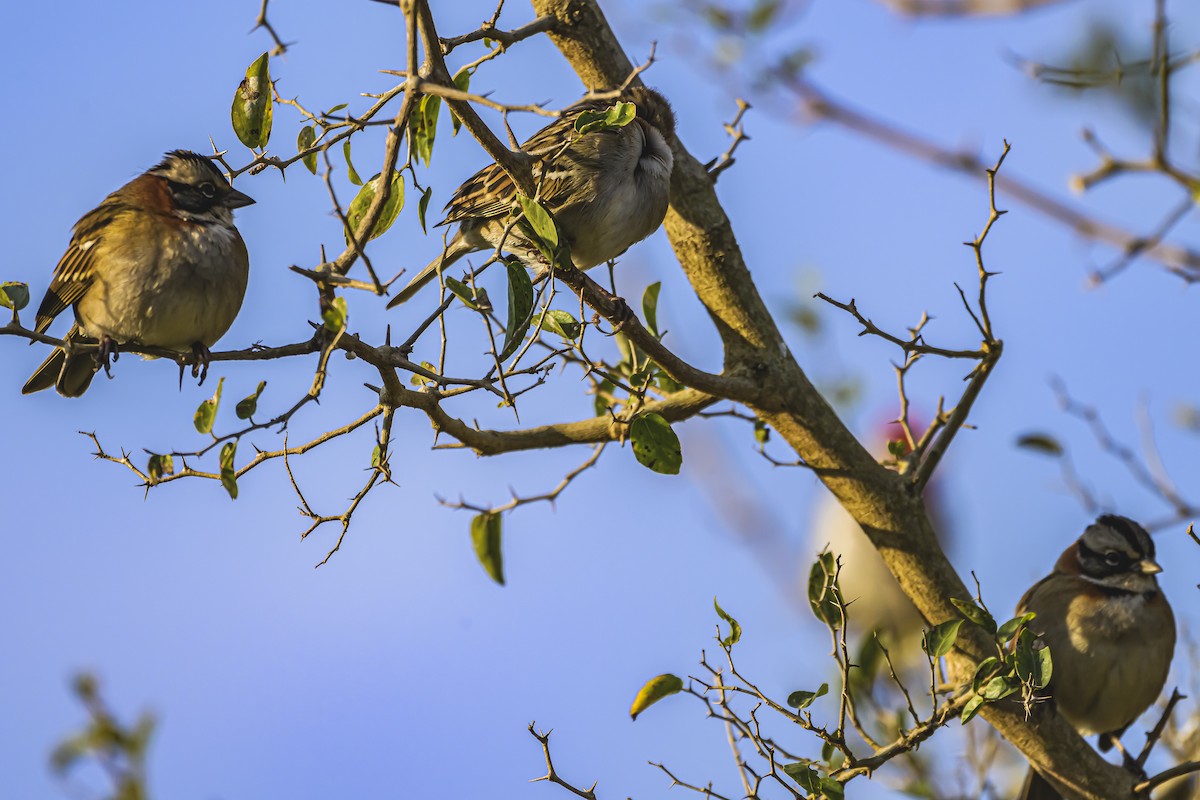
1115 553
198 189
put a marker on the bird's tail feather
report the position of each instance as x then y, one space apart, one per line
454 251
69 374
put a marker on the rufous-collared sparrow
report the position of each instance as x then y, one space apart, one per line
158 263
1110 631
607 189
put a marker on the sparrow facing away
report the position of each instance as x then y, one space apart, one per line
607 189
1110 630
158 263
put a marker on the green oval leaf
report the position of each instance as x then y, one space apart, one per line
540 221
206 413
14 295
801 700
650 307
971 709
520 309
655 689
560 322
735 630
1040 443
1009 629
158 466
251 112
474 299
422 126
423 207
334 314
306 139
247 406
999 688
940 639
462 82
362 201
976 614
655 445
824 594
485 537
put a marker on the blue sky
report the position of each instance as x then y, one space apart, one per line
399 669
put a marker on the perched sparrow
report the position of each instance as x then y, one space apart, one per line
1110 631
158 263
607 189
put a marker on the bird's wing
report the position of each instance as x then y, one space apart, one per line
75 269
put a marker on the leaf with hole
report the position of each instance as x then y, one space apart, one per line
655 445
251 111
206 414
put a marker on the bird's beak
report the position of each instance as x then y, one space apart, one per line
236 199
1149 567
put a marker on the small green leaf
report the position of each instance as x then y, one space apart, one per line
897 448
251 111
159 466
423 206
655 689
801 700
762 432
976 614
206 414
999 688
14 295
824 594
376 456
985 672
228 474
813 782
474 299
351 172
562 323
940 639
1040 443
335 109
650 307
540 221
422 126
735 630
1009 629
247 406
655 445
334 314
616 116
1045 669
362 202
971 709
520 309
306 139
603 399
485 536
462 82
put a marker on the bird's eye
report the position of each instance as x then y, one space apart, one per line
1113 558
208 190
